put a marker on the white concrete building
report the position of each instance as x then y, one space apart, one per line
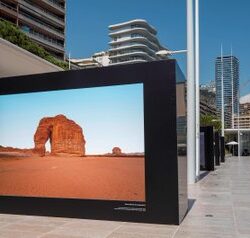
102 58
132 42
85 62
244 118
243 121
99 59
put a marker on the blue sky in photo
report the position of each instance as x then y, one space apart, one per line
109 116
221 21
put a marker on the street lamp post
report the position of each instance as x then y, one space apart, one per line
169 52
238 112
222 94
191 128
193 100
197 87
222 109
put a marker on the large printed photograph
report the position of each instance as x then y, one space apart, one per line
80 143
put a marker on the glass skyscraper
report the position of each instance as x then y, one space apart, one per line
230 67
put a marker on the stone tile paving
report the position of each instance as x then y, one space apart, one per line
221 209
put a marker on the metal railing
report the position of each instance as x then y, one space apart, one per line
28 18
42 12
134 39
54 4
13 10
44 40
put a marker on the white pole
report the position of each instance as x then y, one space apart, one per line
69 61
190 95
232 85
238 109
197 86
239 150
178 51
222 94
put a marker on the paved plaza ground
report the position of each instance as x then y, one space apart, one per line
219 207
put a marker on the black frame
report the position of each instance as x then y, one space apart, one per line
217 148
222 148
161 160
209 148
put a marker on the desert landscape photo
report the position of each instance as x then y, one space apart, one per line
83 144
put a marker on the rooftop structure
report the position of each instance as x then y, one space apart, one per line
102 58
132 42
210 87
43 21
99 59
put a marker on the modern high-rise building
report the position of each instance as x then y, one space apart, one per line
228 68
132 42
43 21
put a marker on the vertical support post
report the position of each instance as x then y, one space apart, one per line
222 143
197 86
69 61
232 85
217 148
17 11
191 151
238 112
222 94
239 143
222 148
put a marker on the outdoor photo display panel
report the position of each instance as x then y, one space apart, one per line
78 143
105 143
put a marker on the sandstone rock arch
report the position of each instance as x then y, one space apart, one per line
65 136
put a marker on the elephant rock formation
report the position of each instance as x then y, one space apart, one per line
65 136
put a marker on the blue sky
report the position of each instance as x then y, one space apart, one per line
109 116
221 21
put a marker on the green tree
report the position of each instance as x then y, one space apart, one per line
10 32
210 120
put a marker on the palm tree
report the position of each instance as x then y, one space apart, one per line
210 120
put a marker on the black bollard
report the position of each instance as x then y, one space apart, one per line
222 148
217 148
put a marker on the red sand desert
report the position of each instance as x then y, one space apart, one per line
89 177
